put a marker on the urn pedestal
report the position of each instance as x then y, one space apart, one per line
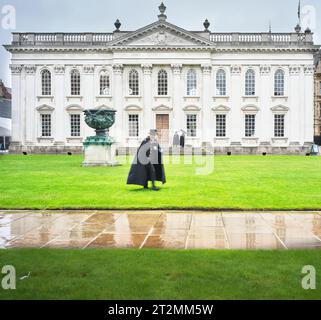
100 150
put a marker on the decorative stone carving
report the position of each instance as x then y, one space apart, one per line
16 68
30 69
294 70
207 69
89 69
265 69
59 69
118 69
177 69
147 68
236 69
309 70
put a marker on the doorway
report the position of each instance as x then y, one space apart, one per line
162 126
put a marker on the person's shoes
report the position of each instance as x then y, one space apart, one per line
155 189
145 187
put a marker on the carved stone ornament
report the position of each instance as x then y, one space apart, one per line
309 70
89 69
265 69
118 69
294 70
147 68
207 69
59 69
177 69
236 69
16 68
30 69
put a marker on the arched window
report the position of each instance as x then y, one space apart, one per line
250 83
75 82
133 83
162 83
191 82
221 83
104 83
46 83
279 83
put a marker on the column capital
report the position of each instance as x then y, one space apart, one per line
59 69
16 68
236 69
118 69
177 68
30 69
309 70
207 69
147 68
265 69
89 69
294 70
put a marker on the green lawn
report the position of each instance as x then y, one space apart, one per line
239 182
160 274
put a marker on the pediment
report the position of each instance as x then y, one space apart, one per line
251 108
45 107
280 108
74 107
192 108
133 108
162 108
221 108
161 34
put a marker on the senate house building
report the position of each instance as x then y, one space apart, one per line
229 92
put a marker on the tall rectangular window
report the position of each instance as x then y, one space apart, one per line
46 125
191 125
75 125
279 125
250 125
221 125
133 125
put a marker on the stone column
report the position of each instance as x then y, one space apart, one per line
118 103
148 97
296 122
308 104
236 125
87 91
266 117
59 85
17 125
30 99
178 114
207 123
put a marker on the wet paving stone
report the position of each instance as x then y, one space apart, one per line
160 229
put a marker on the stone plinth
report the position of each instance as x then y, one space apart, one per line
100 152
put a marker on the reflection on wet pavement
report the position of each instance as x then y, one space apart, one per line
160 229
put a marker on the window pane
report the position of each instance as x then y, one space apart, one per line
46 125
220 125
191 125
133 125
279 83
75 83
250 125
75 125
250 83
104 84
133 83
162 83
191 83
46 82
279 125
221 83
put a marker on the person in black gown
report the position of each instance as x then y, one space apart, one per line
148 163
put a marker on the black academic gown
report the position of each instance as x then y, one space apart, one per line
182 140
147 165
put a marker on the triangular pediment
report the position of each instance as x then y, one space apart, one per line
161 34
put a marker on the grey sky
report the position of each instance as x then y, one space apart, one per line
100 15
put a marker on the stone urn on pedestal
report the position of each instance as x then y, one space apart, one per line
100 149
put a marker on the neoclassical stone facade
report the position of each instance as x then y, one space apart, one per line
238 92
317 98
